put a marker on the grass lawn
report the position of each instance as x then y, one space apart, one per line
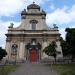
7 69
65 69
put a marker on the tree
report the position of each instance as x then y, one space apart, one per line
50 50
70 41
3 53
64 47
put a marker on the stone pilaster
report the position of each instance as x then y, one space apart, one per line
8 50
59 50
44 44
21 50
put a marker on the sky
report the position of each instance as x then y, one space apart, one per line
60 12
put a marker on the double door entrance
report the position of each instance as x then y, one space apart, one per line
33 55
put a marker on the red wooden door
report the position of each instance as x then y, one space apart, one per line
33 55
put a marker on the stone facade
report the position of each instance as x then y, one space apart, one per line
32 33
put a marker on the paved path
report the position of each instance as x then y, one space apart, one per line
34 69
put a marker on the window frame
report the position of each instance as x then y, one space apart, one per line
33 24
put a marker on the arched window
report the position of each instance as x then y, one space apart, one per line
33 24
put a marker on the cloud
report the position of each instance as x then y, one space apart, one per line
72 26
61 16
62 32
3 31
11 7
51 6
64 17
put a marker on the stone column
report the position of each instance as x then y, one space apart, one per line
8 50
44 44
25 51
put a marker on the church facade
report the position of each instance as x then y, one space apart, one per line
27 41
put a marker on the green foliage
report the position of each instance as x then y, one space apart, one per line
3 53
64 47
50 50
7 69
65 69
68 46
70 41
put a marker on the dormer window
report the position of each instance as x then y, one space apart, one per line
33 24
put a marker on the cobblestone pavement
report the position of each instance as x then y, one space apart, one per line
34 69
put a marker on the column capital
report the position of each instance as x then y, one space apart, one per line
8 40
44 39
21 39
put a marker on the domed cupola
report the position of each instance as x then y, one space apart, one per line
33 6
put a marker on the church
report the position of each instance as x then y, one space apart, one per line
27 41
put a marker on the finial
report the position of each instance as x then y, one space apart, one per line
11 25
55 26
33 2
